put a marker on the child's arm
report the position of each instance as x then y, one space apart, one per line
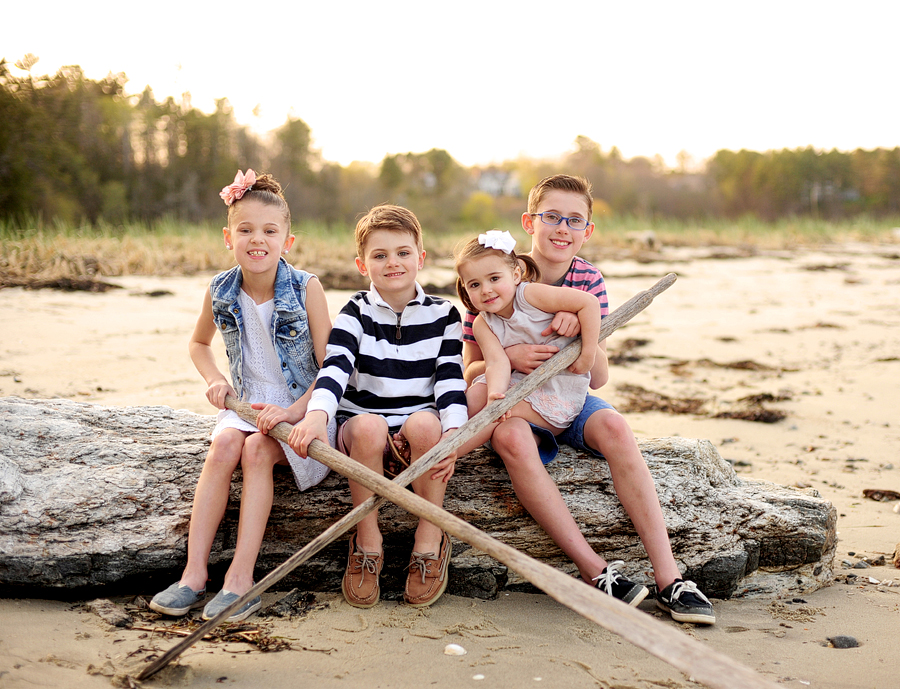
600 369
339 360
553 299
319 320
450 388
497 368
200 348
314 426
473 361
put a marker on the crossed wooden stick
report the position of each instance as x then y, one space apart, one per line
693 658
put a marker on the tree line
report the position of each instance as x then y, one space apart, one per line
80 150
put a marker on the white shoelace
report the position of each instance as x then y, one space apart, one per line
610 577
689 587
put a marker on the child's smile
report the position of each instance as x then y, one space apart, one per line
557 244
392 262
490 284
258 236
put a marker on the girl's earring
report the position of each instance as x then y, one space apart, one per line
228 246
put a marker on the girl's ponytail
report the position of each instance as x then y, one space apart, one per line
530 272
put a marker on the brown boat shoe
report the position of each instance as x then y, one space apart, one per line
360 583
427 578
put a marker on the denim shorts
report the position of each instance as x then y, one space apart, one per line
573 436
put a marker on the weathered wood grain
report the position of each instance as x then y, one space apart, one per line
93 495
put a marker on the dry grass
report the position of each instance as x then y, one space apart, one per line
38 254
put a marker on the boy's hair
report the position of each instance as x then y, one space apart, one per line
473 249
576 185
387 217
267 190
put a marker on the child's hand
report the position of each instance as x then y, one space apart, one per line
312 427
525 358
218 391
564 323
493 396
585 362
271 415
444 469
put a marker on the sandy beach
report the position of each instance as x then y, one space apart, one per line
808 336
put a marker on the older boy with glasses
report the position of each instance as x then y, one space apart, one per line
559 222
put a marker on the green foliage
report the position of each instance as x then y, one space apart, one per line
84 152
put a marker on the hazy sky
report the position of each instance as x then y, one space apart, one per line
489 81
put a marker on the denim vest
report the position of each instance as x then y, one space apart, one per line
290 326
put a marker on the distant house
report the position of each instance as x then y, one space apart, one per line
497 182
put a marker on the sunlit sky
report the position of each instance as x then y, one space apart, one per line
490 81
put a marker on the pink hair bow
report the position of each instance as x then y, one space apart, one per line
235 190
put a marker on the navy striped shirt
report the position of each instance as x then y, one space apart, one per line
382 362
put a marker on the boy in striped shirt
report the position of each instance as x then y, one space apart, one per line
393 366
559 222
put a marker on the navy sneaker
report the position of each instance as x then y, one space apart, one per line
684 602
611 582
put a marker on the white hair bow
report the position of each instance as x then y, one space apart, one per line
495 239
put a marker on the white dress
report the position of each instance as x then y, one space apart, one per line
560 399
264 383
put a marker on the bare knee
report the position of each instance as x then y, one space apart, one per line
422 430
261 452
225 451
365 434
606 427
514 441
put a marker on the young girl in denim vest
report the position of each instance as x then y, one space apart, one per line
275 323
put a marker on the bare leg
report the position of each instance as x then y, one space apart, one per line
364 438
261 454
423 431
608 432
210 500
539 494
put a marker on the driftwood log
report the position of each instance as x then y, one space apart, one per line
101 496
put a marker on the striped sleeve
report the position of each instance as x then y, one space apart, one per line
449 384
340 360
584 276
467 334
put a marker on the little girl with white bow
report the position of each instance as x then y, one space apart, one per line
515 308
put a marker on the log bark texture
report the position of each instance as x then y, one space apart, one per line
101 496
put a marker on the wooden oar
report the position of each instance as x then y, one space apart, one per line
704 664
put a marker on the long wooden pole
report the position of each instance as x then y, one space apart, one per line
702 663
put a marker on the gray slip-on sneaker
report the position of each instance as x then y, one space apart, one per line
225 598
177 600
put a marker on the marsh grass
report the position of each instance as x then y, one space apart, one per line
39 252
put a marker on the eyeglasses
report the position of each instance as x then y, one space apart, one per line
551 218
